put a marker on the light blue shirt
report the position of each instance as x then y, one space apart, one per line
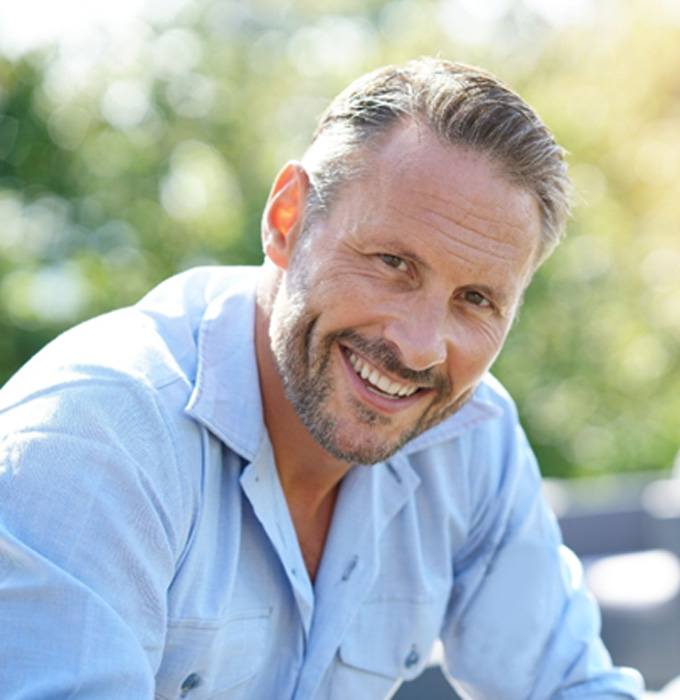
147 551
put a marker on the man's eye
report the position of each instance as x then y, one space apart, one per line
477 299
394 261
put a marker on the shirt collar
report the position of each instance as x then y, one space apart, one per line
226 395
478 409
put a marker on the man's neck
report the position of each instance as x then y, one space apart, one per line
309 476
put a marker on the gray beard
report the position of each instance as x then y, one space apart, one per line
307 383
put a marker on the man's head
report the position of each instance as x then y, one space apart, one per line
403 254
463 106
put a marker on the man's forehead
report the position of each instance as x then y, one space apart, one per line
413 173
413 155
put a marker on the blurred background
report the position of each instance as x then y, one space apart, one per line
139 138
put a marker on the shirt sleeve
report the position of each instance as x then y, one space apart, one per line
521 624
89 536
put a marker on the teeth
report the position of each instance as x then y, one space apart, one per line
380 381
393 388
384 384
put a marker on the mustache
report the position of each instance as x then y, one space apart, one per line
384 354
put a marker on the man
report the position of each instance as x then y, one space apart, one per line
187 506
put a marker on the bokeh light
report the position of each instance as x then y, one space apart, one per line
140 137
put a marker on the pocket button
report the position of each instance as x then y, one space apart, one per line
193 680
412 659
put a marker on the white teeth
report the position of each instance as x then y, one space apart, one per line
393 388
384 384
371 374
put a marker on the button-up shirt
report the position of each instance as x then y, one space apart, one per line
147 550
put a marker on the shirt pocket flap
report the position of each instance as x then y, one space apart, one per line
208 657
393 638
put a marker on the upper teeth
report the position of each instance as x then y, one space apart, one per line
380 381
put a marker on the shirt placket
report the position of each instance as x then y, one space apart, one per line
369 499
261 486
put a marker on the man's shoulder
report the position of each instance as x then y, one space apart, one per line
154 342
118 385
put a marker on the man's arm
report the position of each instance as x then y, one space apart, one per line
521 623
88 542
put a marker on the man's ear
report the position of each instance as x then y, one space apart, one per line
283 216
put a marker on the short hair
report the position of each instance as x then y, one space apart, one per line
463 105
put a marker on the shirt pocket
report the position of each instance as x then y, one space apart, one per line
206 659
388 642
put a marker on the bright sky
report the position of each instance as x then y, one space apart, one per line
30 24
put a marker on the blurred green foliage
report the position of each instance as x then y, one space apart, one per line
127 157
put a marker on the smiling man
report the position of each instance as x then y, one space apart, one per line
288 482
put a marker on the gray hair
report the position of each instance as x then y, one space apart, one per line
462 105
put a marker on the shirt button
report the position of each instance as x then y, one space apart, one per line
412 659
351 565
193 680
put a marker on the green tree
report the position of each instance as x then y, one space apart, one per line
143 155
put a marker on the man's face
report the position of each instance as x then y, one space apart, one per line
396 303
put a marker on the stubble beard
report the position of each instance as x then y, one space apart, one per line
305 372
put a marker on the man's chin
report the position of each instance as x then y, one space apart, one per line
360 455
355 445
368 444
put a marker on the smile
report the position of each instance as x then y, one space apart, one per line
377 381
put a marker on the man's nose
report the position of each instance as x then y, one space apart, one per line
421 338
